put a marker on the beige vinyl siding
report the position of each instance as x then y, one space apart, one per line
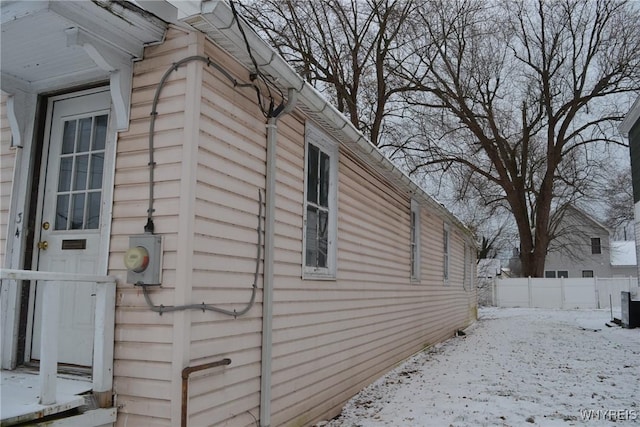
144 347
330 337
230 173
7 164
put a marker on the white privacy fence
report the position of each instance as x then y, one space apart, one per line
565 293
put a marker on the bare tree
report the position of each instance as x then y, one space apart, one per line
517 101
511 103
342 47
618 197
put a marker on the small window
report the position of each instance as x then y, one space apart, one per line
415 241
563 274
587 273
595 246
446 248
320 206
550 274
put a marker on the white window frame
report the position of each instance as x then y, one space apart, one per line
414 230
324 143
446 250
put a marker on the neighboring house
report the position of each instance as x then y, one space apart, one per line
296 264
582 248
630 128
623 259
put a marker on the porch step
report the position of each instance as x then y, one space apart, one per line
20 396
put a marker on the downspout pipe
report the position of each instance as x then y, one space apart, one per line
267 288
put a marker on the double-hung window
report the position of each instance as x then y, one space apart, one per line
415 241
596 248
320 206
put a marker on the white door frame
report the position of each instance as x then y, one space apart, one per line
109 169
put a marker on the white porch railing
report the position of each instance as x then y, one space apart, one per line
103 328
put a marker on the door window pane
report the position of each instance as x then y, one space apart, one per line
62 212
97 163
84 135
64 178
93 210
100 132
68 137
80 179
77 212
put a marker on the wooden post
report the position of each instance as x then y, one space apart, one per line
49 342
103 343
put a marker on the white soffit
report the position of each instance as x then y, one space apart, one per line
35 52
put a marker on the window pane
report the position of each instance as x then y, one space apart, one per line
312 237
587 273
93 210
446 242
77 212
446 266
95 179
550 274
64 179
100 132
68 137
323 238
80 179
312 174
84 135
324 180
595 245
62 212
563 273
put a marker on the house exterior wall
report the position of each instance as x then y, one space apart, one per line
7 162
624 271
634 151
148 346
330 337
571 251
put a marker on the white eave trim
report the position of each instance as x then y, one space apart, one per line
630 119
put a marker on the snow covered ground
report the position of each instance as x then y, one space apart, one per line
514 367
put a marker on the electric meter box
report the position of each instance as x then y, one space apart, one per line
143 259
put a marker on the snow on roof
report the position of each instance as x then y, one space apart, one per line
623 253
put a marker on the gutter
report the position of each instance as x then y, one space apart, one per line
267 287
216 20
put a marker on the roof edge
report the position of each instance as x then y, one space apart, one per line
216 19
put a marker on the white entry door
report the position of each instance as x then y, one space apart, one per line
70 234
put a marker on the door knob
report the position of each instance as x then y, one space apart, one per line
43 245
